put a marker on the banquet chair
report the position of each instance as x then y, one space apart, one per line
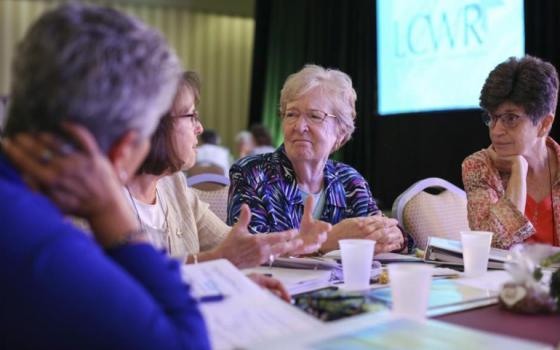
217 199
432 207
211 185
206 177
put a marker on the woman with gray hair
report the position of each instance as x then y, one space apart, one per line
92 76
317 108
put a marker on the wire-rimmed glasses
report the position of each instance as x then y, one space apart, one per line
315 116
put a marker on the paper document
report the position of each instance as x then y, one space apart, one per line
247 314
296 281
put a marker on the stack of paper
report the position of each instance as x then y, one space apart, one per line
450 252
246 313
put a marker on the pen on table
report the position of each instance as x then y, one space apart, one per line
211 298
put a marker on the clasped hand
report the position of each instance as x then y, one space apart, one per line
383 230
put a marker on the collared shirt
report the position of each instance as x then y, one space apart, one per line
489 208
267 183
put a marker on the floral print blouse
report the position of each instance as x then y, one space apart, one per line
489 209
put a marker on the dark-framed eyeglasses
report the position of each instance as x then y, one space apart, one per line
194 115
315 116
509 120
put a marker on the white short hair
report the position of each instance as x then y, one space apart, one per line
336 84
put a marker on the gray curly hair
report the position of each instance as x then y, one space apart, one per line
94 66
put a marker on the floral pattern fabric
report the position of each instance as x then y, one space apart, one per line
489 209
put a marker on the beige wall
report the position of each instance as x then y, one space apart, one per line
217 46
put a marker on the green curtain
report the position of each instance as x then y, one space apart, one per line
390 152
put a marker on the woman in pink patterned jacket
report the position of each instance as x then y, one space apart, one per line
512 186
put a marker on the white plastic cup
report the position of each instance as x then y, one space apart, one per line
476 251
357 258
410 289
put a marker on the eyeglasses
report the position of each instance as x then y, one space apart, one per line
509 120
194 115
313 115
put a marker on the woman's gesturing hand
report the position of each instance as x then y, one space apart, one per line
312 232
244 249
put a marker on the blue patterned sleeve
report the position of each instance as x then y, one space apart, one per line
369 202
358 193
242 189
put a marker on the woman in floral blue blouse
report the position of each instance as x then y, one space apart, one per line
317 107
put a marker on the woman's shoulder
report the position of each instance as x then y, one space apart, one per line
175 186
173 181
343 168
344 172
174 190
476 160
259 162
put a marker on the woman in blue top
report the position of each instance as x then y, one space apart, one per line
61 289
317 107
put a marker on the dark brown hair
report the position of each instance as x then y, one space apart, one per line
528 82
162 156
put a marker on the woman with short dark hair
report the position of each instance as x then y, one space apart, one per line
512 186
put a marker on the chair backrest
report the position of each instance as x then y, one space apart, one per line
217 200
207 177
423 214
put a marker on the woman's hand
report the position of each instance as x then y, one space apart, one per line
244 249
383 230
80 182
312 232
272 284
517 166
391 238
508 164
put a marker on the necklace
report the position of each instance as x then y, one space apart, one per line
554 236
158 236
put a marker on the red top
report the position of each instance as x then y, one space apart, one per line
541 217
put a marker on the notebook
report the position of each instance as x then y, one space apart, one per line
450 252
